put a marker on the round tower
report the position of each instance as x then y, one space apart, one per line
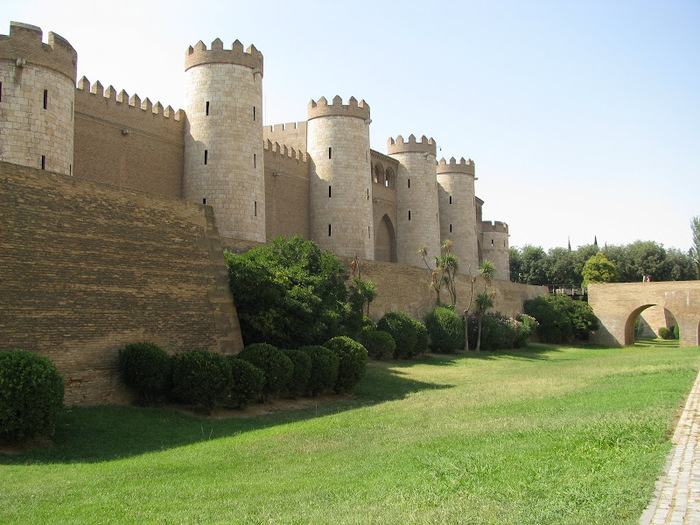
37 94
416 199
458 211
224 137
340 198
495 248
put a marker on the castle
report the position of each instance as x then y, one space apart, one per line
318 178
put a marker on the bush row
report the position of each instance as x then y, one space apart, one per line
499 332
260 372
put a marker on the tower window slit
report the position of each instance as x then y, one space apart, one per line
369 232
0 91
330 152
206 156
329 191
207 108
204 200
43 162
46 99
409 215
255 208
329 230
450 199
450 228
253 112
367 193
491 242
255 160
409 183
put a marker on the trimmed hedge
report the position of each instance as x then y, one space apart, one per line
421 346
379 344
277 366
446 330
324 369
352 362
402 328
31 396
299 382
247 383
145 367
202 378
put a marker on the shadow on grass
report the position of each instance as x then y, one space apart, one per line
106 433
657 343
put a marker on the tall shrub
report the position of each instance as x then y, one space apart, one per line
298 384
379 344
247 383
400 326
324 369
145 367
277 366
352 361
446 330
202 378
561 318
31 396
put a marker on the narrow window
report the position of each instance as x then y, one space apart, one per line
491 242
329 230
207 108
369 232
450 228
367 193
253 112
46 99
329 191
330 152
450 199
409 183
0 91
70 169
43 162
206 156
204 200
409 215
255 208
504 244
255 160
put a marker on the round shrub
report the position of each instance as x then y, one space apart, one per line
299 382
31 396
145 367
446 330
352 362
202 378
667 333
379 344
367 322
400 326
324 369
421 346
247 383
278 367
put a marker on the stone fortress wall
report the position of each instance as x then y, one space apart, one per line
261 181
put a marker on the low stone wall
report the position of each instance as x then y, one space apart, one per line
408 288
87 268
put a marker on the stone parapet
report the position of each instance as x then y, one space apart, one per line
338 109
463 166
199 54
425 145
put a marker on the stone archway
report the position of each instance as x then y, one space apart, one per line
385 241
629 325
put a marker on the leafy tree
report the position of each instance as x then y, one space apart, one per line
598 269
516 264
443 274
534 265
695 249
289 293
561 318
681 265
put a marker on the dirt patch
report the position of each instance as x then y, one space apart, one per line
261 409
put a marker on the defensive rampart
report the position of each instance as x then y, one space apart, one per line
86 268
408 288
618 306
124 141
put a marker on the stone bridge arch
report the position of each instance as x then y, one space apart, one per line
618 305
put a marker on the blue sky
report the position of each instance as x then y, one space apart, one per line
583 118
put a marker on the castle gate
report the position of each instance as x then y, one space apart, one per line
618 306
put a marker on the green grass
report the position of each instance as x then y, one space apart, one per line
656 342
548 435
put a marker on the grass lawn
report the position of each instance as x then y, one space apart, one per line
547 435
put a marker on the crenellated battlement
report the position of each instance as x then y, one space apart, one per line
495 226
24 46
425 145
321 108
280 150
199 54
96 92
463 166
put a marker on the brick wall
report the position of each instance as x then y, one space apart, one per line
86 268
